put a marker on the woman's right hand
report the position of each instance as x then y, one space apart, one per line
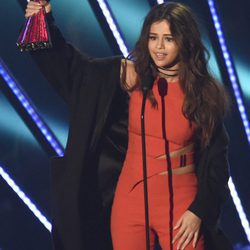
34 7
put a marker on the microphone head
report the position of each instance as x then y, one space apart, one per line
162 87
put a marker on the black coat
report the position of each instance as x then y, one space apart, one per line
84 180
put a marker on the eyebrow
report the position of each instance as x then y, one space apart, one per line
152 33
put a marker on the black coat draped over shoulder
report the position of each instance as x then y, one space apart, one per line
84 180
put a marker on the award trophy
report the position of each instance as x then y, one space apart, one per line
35 33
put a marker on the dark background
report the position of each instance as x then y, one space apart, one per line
24 157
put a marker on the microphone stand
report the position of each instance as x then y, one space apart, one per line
163 89
145 91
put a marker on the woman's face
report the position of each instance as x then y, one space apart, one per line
162 46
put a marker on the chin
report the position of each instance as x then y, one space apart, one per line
161 64
166 63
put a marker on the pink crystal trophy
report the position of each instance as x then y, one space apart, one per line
35 33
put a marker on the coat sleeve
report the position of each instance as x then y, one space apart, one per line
213 175
62 65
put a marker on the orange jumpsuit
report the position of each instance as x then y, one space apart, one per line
128 214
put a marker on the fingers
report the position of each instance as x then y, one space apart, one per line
189 226
43 3
178 224
33 5
184 237
195 240
184 240
179 234
32 9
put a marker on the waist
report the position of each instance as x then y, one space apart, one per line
156 158
134 161
155 146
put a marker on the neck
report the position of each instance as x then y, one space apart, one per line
172 69
170 75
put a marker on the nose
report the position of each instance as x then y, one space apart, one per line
160 44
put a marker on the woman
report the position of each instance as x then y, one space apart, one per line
193 143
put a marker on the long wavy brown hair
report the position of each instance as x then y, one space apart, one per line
205 101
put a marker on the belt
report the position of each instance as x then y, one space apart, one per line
182 158
181 170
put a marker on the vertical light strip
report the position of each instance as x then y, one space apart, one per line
25 199
240 210
110 20
237 94
29 107
230 68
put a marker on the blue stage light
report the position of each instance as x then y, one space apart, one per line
110 20
237 94
240 210
124 50
230 68
29 107
25 199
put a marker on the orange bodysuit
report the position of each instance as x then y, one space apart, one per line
127 218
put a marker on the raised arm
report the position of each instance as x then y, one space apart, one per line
63 65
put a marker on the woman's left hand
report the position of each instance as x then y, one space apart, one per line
189 228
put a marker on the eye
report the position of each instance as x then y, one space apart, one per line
152 38
169 39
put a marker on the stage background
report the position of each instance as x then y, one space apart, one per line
26 159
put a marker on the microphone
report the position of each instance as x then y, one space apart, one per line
162 87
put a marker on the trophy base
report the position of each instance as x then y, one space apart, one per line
33 46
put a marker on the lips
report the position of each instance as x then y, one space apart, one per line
160 55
